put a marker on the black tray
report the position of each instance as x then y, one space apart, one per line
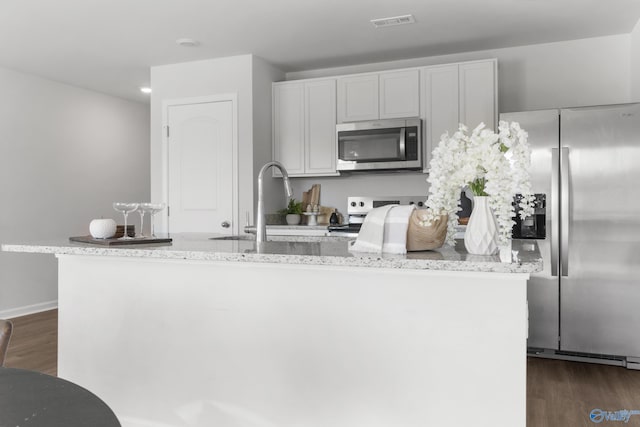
114 241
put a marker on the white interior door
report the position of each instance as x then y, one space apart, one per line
200 167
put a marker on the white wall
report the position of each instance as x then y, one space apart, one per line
66 154
245 75
574 73
635 63
263 75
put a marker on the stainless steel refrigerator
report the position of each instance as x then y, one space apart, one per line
586 302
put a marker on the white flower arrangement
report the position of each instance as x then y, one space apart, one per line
489 164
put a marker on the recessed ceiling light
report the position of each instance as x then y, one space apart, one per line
393 20
187 42
145 89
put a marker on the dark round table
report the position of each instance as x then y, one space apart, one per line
32 399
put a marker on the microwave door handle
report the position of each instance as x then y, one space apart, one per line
403 148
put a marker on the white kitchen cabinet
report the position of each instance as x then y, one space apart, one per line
288 126
440 105
385 95
320 128
478 94
305 112
457 93
304 127
399 94
358 98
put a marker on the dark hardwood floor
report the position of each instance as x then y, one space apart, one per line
559 393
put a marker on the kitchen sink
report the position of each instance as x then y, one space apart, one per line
287 238
243 237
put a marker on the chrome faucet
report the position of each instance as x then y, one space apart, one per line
261 228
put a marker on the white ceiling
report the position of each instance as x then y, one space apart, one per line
109 45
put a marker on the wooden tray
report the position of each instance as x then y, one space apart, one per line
114 241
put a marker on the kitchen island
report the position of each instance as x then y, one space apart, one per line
296 332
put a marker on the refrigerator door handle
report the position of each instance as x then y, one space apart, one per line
564 210
555 209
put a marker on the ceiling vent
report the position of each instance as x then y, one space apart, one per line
394 20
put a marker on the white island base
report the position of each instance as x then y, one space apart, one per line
213 343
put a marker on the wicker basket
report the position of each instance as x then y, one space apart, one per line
425 237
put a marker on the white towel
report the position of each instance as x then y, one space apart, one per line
384 230
371 234
395 229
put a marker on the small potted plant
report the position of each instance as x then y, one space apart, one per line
293 212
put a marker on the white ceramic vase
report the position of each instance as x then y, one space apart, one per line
293 219
481 235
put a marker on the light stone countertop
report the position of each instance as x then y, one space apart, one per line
310 250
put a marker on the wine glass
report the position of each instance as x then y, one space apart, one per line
126 209
141 211
152 208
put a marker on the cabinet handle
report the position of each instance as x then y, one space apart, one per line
225 224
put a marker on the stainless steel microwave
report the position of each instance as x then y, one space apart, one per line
379 145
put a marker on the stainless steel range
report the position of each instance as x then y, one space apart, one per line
359 206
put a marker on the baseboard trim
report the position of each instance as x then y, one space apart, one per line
578 357
28 309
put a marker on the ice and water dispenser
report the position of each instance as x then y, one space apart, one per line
534 226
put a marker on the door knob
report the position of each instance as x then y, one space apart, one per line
225 224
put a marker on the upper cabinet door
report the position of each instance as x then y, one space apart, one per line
358 98
451 94
288 127
399 94
304 127
320 127
478 94
440 103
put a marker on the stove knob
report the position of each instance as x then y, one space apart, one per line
361 204
420 204
353 204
